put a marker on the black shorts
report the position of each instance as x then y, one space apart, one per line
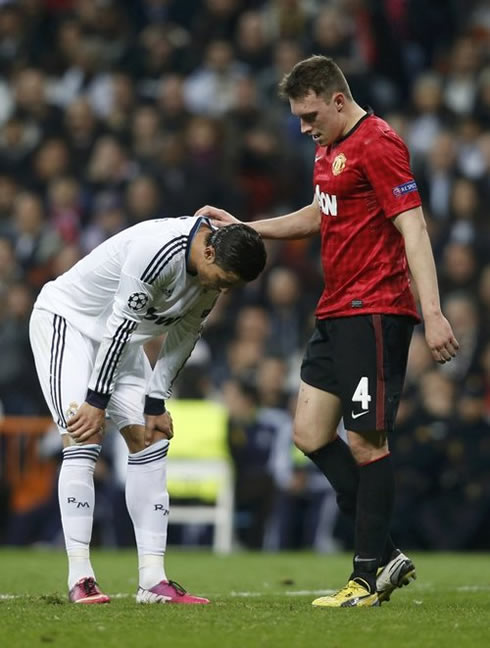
362 360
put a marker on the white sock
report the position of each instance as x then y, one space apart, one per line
148 505
76 497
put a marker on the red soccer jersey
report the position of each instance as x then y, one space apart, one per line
361 182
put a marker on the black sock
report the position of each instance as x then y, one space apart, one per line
336 462
374 510
389 551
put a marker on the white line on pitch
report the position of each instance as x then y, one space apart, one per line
234 594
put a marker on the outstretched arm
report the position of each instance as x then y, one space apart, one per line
297 225
438 332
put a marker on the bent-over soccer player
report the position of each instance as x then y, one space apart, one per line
87 330
368 213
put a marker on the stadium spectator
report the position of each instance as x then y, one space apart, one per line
174 115
285 55
35 240
209 90
252 47
19 389
143 200
260 444
81 131
437 174
287 312
429 114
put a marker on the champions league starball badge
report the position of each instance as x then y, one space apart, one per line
137 301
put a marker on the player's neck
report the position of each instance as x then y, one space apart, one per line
353 113
197 246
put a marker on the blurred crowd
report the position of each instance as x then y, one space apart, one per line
113 112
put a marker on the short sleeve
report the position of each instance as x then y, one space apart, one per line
386 164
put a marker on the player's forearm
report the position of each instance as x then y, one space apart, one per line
108 360
422 266
299 224
177 348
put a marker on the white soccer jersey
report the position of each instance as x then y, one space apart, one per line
131 288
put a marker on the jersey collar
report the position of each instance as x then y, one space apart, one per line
192 233
369 113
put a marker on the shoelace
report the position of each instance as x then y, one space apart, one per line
349 589
178 588
89 585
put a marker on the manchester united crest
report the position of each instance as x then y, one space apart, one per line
338 165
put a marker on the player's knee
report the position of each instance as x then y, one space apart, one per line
68 441
308 437
368 447
134 435
302 440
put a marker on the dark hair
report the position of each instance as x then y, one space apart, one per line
318 73
239 249
247 385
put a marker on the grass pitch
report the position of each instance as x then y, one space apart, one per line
258 600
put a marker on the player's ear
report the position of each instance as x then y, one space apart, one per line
209 254
339 101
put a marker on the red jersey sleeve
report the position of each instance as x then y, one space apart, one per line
386 164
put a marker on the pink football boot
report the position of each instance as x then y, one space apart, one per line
167 592
86 591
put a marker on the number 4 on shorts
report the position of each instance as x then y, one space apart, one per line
361 394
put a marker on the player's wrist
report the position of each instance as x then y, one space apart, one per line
431 313
154 406
96 399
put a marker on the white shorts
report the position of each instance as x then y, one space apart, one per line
64 361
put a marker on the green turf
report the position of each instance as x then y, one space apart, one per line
258 600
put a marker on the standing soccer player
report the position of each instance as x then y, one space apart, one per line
368 212
87 330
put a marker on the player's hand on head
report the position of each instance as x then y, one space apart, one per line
158 426
440 339
218 217
86 422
